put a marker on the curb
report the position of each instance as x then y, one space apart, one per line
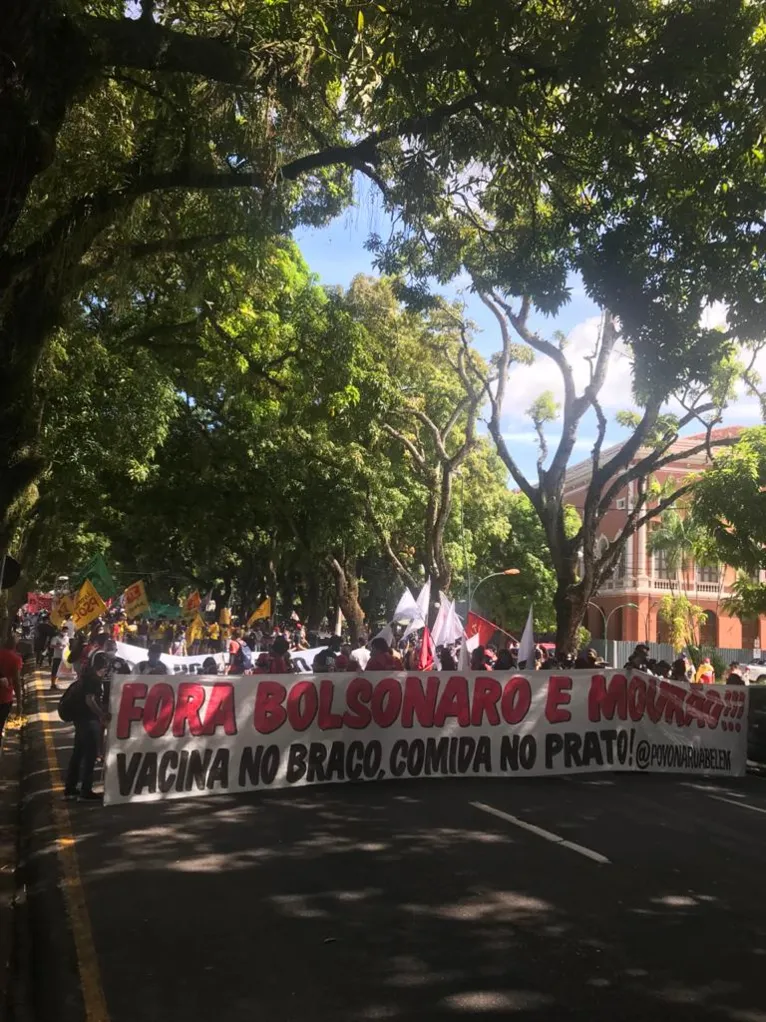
48 982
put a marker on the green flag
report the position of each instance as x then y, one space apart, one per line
98 573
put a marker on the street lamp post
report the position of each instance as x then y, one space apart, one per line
619 607
607 617
590 603
494 574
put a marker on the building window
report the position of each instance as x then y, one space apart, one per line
710 573
621 568
661 569
621 504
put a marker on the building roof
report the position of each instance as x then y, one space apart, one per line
581 472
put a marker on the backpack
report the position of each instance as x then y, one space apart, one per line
76 647
67 702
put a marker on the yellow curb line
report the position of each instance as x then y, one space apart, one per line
74 893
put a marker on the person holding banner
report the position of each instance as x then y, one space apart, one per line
89 718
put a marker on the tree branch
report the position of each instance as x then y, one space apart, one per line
415 454
496 399
144 43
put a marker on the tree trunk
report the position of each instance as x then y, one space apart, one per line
570 605
347 594
314 610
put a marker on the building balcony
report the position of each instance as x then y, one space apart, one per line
692 589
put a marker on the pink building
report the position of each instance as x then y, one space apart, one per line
628 602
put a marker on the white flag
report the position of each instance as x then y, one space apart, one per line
527 645
442 621
406 608
422 606
454 629
387 633
424 602
464 659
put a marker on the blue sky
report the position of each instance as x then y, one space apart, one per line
336 253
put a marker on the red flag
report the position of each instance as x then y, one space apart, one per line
478 625
425 652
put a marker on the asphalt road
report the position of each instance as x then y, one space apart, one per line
405 901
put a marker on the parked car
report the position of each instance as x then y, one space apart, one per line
756 671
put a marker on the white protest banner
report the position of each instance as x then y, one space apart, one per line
170 737
134 655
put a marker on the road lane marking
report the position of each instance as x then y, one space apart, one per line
74 893
547 835
742 805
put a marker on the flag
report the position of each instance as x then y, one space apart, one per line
442 620
294 617
387 633
406 608
191 606
207 601
98 573
88 605
135 600
62 608
196 629
339 622
263 610
470 643
526 652
477 625
425 659
10 570
224 618
454 627
422 606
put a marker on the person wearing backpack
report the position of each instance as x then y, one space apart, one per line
85 708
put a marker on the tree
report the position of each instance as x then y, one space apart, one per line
120 133
428 405
679 538
729 503
682 620
655 214
507 600
132 138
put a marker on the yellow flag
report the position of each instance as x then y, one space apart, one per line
88 605
196 629
136 600
224 618
260 612
62 607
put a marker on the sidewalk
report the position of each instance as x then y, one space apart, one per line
10 795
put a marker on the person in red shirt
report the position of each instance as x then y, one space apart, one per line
277 661
10 681
382 658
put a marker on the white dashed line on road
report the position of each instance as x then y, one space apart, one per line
742 805
547 835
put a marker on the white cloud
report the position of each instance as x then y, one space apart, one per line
525 383
584 443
